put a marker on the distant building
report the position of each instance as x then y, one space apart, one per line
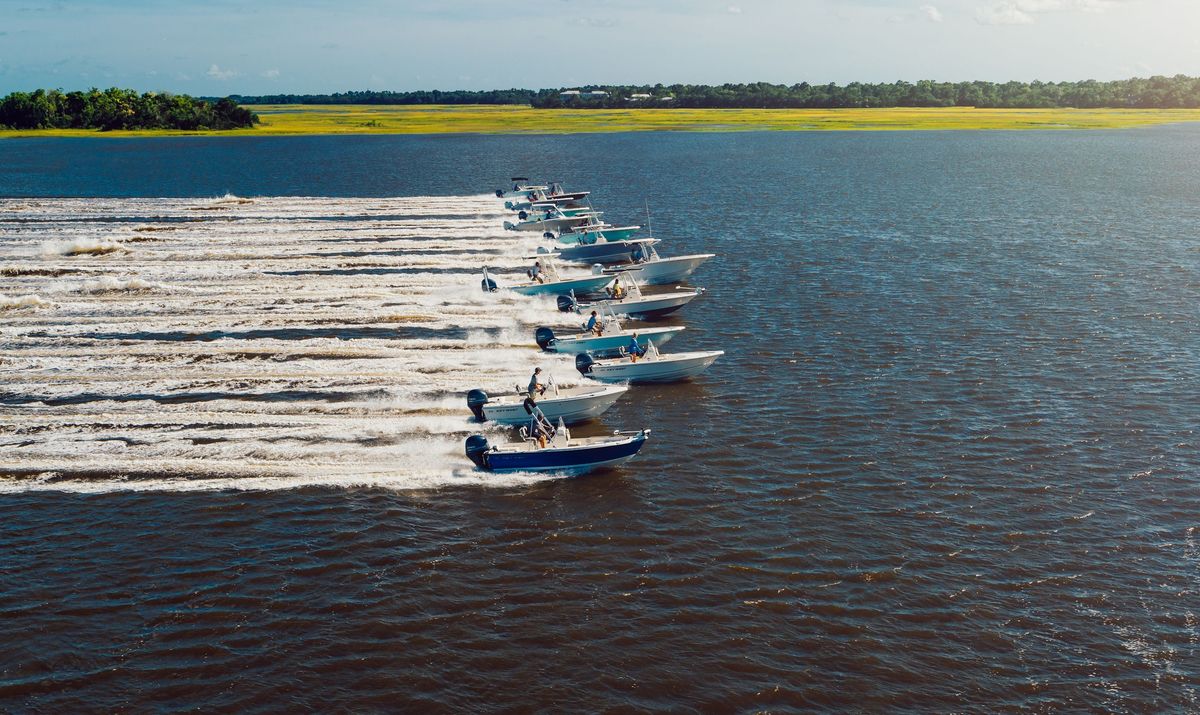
570 93
668 98
638 97
598 93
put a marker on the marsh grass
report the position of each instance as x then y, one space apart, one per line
294 119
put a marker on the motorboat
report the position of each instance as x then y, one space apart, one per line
632 302
603 251
553 219
610 341
563 455
652 367
570 404
553 283
520 189
566 200
651 269
590 232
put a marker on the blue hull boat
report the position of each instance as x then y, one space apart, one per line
563 456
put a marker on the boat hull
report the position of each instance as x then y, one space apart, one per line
664 271
605 344
646 308
571 409
600 252
571 461
667 368
581 286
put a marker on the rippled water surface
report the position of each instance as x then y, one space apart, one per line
948 463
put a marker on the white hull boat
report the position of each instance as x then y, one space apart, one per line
636 305
611 342
652 368
570 404
663 271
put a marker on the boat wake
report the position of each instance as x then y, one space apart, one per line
266 343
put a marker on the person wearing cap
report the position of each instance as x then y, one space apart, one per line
536 386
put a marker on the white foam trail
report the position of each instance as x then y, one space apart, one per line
256 343
23 301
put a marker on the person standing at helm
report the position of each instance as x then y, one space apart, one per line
635 351
535 273
536 386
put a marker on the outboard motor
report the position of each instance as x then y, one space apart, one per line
597 269
544 337
488 285
510 226
499 193
477 448
522 215
567 304
476 399
549 235
583 363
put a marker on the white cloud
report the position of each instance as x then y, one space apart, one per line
932 13
1024 12
269 74
1005 13
735 9
216 72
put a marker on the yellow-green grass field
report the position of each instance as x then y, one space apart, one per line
291 119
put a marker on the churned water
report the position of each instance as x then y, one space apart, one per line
948 463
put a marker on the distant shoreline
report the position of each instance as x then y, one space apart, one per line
301 120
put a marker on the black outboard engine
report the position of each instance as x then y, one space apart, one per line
583 363
567 304
476 399
488 285
477 448
549 235
544 337
499 193
522 215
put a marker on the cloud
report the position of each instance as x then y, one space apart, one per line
217 73
1024 12
270 74
597 21
735 10
931 13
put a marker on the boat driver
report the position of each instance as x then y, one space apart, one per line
593 325
536 386
535 273
634 350
616 292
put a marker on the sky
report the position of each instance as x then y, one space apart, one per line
221 47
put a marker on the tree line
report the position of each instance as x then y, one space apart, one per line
115 108
1179 91
433 96
1154 92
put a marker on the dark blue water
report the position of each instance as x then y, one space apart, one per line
949 462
